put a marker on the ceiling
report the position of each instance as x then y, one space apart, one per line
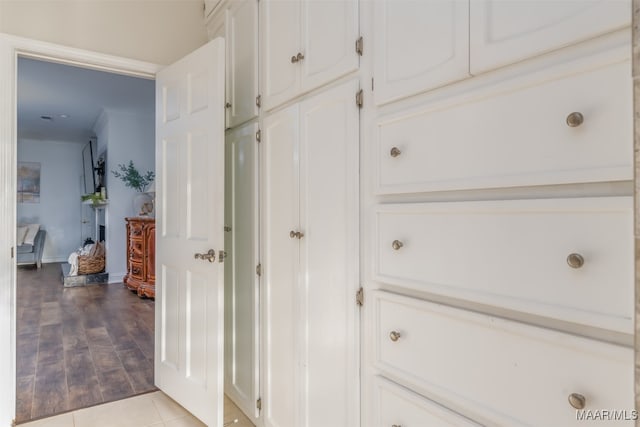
72 98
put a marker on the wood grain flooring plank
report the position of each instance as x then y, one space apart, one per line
115 384
24 397
50 393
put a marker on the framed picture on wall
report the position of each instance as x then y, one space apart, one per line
28 182
89 167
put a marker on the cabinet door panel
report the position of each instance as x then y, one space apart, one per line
506 31
242 61
280 29
328 54
241 285
328 259
419 45
280 294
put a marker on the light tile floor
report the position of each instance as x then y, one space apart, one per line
148 410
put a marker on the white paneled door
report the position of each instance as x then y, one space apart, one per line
190 227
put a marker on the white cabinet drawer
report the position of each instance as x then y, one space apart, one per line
501 372
514 254
396 406
514 138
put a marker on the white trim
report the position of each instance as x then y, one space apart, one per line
10 48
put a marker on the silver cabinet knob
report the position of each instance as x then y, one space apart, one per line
575 260
209 256
394 336
397 244
577 400
296 234
297 58
575 119
227 105
294 59
395 152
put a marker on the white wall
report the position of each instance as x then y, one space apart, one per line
158 31
127 137
59 210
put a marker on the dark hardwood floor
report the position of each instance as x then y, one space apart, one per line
78 347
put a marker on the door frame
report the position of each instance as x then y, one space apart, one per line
12 47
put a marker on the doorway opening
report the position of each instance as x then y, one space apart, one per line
81 339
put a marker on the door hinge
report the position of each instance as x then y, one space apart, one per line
259 404
259 270
11 252
371 84
221 256
360 297
360 45
227 228
259 135
360 98
259 101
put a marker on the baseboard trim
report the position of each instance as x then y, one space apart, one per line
116 278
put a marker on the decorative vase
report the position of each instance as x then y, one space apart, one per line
142 204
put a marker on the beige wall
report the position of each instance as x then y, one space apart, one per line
158 31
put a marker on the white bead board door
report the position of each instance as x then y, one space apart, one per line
310 318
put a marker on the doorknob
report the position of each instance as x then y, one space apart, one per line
209 256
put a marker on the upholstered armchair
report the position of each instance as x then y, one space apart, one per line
32 254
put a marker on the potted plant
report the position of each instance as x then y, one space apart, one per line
142 202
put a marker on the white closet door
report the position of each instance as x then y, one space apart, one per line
242 61
506 31
241 281
280 41
329 141
280 260
330 30
419 45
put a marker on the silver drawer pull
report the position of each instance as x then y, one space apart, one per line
578 401
395 152
394 336
397 244
575 260
575 119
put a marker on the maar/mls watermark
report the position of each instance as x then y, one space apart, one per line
606 415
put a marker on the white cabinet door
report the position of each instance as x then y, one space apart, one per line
280 293
280 41
329 258
330 30
241 24
419 45
305 44
190 220
241 280
310 319
506 31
